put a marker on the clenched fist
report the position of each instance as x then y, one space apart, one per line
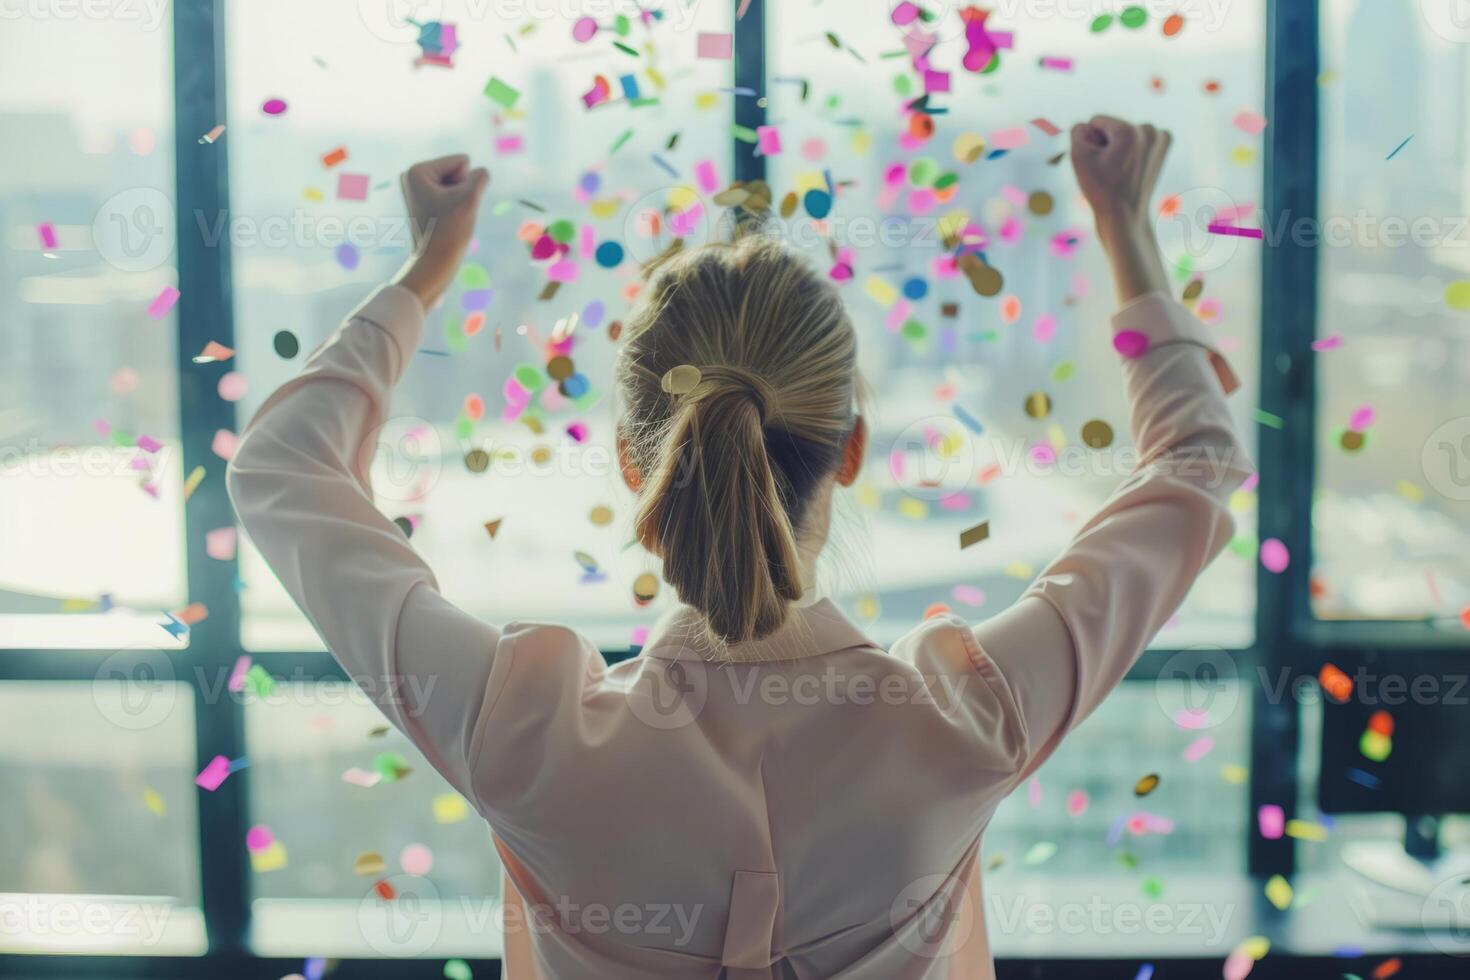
443 197
1117 167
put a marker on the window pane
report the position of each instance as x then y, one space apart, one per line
838 95
1393 415
1175 859
90 481
99 843
429 844
353 85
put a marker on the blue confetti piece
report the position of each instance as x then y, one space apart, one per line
241 763
1399 147
1365 779
667 167
1145 972
970 421
315 968
173 627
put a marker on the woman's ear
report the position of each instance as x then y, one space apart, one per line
853 453
631 476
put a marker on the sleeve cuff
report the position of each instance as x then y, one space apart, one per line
1156 320
399 314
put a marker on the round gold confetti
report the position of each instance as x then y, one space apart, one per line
1040 203
1146 785
1097 434
1352 441
541 455
560 368
985 280
1193 290
732 197
601 515
789 204
1038 404
368 863
645 588
681 380
968 147
477 461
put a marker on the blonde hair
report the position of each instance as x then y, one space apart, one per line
730 465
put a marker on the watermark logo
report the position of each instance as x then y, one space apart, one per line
669 694
396 21
405 457
401 916
134 230
1449 19
1445 459
660 218
1445 916
1198 688
934 916
932 458
135 688
1182 227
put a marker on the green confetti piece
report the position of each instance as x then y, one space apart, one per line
1244 545
644 102
457 970
1128 860
562 231
946 181
1039 853
472 275
902 84
259 681
464 427
744 134
502 92
501 207
1266 418
1153 887
122 437
626 49
915 331
1133 17
618 145
530 377
923 171
1063 371
390 765
622 25
1101 23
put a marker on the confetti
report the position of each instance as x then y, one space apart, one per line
974 535
165 301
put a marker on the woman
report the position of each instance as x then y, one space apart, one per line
764 792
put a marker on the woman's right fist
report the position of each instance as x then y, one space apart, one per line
1117 166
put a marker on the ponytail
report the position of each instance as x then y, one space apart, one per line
715 512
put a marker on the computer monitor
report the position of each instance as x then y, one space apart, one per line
1397 740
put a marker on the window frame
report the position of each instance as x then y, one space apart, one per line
1287 638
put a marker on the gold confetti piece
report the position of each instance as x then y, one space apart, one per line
368 864
968 147
1256 947
196 476
273 858
1279 892
477 461
378 731
312 194
601 515
560 368
1193 290
153 802
645 588
1040 204
1351 441
1146 785
914 510
1038 404
974 535
541 455
984 279
450 808
1097 434
493 527
681 380
868 607
1020 570
1234 773
995 862
1409 491
1306 830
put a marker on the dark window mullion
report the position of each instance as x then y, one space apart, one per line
1285 456
205 314
750 76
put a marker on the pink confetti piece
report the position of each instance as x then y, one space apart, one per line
768 139
577 431
232 386
219 544
509 144
936 81
148 444
361 777
1232 231
1045 328
584 30
213 774
1271 820
905 13
259 838
46 231
707 176
416 859
159 308
236 683
1192 719
1056 64
969 595
224 444
273 107
1077 802
1362 419
1045 125
1131 343
1238 965
716 47
1330 342
1033 792
1248 121
1274 556
1199 748
352 187
1009 139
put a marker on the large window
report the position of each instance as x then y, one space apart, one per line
180 760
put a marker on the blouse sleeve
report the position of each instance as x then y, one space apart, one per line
1076 632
